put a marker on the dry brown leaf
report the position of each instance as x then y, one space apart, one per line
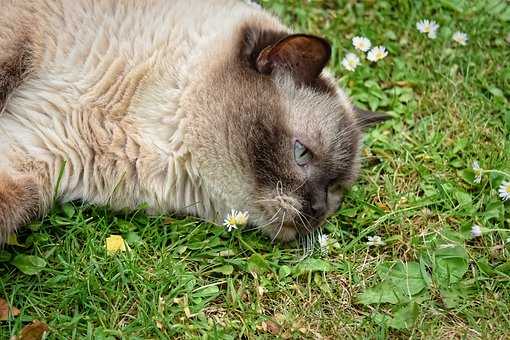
273 327
269 326
33 331
5 310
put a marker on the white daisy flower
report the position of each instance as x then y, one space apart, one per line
504 191
375 241
350 62
361 43
478 172
428 26
460 38
476 231
323 243
377 53
235 219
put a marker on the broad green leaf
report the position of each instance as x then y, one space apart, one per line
451 297
456 5
101 333
258 264
29 264
468 175
405 275
206 292
504 268
454 295
383 292
404 317
133 239
484 266
312 265
349 212
284 271
68 209
495 91
494 210
505 15
125 226
227 269
464 199
450 265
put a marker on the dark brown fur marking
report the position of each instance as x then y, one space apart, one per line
256 39
14 66
19 202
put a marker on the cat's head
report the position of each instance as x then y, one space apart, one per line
277 136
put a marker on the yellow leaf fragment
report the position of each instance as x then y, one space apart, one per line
115 243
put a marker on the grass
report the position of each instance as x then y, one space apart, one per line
432 279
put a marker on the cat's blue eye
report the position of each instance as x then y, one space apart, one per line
302 155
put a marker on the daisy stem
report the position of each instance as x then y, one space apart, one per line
497 172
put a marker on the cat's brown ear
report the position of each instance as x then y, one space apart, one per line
305 55
368 118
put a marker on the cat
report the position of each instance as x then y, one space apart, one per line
192 107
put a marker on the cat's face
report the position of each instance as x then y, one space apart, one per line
283 142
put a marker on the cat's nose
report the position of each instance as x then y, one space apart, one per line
318 204
318 208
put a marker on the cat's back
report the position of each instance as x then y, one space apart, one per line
86 39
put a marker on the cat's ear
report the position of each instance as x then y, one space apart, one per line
369 118
304 55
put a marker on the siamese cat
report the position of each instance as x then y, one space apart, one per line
193 107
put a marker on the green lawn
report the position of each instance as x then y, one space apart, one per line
183 278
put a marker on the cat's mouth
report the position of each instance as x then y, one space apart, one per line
288 231
286 221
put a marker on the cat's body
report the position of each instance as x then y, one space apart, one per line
150 101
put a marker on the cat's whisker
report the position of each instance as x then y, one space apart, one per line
266 200
279 188
300 215
271 221
300 186
280 229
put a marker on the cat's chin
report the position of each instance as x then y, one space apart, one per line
283 233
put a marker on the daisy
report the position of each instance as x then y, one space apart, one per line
350 62
361 43
377 53
478 172
476 231
375 241
460 38
323 243
235 219
428 26
504 191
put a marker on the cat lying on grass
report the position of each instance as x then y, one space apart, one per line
193 107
